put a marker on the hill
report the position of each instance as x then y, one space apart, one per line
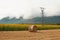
14 20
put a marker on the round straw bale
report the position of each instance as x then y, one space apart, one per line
32 28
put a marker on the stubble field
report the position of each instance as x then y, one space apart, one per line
26 35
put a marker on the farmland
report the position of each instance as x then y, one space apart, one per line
20 27
25 35
20 32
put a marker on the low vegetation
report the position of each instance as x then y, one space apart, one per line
21 27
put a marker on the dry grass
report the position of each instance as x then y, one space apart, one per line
25 35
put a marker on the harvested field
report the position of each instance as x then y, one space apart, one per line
26 35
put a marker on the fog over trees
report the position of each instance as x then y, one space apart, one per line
14 20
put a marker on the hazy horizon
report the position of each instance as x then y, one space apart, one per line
28 8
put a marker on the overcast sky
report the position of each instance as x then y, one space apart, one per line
28 8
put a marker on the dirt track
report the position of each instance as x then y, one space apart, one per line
25 35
